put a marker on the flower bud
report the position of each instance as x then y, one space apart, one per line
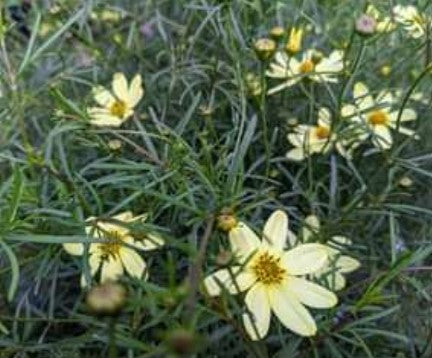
106 299
265 48
224 258
365 25
385 70
277 32
182 342
294 44
115 144
226 220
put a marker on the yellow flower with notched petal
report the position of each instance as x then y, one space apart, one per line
295 41
272 278
338 264
375 117
116 106
112 257
318 69
415 23
310 139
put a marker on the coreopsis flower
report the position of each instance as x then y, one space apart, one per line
415 23
319 138
117 251
272 278
117 106
383 24
375 117
338 264
318 69
294 44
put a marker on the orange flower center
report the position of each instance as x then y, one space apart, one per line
307 66
378 118
322 132
268 270
118 109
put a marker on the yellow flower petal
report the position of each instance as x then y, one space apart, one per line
257 320
135 91
111 270
346 264
291 312
311 294
304 259
311 227
243 240
133 262
120 87
76 249
215 282
102 96
275 230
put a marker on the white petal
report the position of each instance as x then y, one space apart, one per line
102 118
275 230
382 137
135 91
291 312
408 114
244 242
223 278
311 294
133 262
324 117
346 264
362 97
76 249
348 110
102 96
111 270
296 154
120 87
311 227
259 310
304 259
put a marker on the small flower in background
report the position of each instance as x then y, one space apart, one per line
294 44
265 48
277 33
112 257
270 275
115 144
385 70
375 117
310 139
253 85
383 24
405 182
322 69
106 299
147 30
365 25
338 264
116 106
415 23
107 15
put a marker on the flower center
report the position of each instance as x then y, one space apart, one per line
268 270
307 66
378 118
118 109
112 247
322 132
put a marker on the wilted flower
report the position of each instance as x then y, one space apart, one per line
116 106
106 299
273 278
117 250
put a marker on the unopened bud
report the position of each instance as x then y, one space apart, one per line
226 220
107 299
365 25
277 32
265 48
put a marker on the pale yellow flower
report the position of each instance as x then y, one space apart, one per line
338 264
272 277
116 106
294 44
317 69
415 23
375 116
310 139
118 251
